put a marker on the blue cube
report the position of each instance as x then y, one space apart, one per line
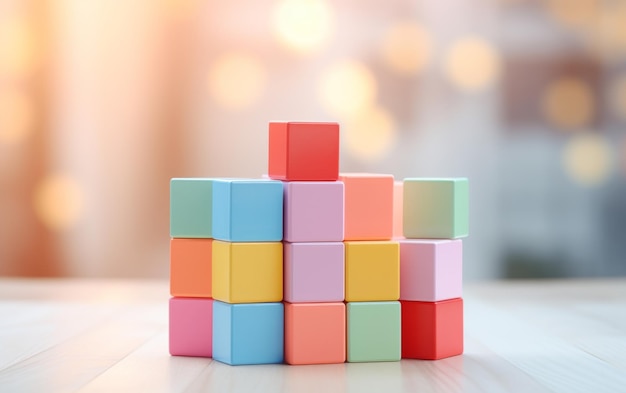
247 210
191 204
248 333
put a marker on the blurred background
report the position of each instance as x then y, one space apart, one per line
103 101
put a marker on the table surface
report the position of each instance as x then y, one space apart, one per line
103 335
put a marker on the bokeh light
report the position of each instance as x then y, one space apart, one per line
346 88
59 201
18 47
618 97
612 27
17 116
237 80
588 159
179 8
407 48
371 134
568 103
303 26
575 13
472 63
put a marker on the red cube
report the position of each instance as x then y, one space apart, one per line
432 330
303 151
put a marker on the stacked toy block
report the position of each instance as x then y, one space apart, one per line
247 275
310 266
191 248
372 269
435 217
226 268
305 156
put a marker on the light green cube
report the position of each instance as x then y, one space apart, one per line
191 204
373 331
435 208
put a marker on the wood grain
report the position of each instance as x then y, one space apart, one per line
103 336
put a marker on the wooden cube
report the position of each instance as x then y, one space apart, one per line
190 267
314 272
372 271
247 210
190 327
432 330
368 206
191 204
303 151
315 333
313 211
436 208
431 270
373 331
247 272
248 333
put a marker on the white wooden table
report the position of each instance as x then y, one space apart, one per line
111 336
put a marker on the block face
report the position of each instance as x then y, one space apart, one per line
315 333
222 337
248 333
191 327
191 201
314 272
368 206
304 151
313 211
372 271
248 210
277 167
222 207
247 272
432 330
373 331
431 270
398 193
436 208
190 267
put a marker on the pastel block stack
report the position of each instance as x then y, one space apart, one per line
247 274
191 244
306 157
372 269
226 269
435 217
310 266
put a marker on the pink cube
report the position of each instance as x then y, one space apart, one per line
431 270
398 209
313 211
191 327
314 272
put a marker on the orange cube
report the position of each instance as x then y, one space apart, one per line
368 206
315 333
190 267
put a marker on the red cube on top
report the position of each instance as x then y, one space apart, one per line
304 151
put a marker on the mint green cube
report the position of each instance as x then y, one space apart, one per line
373 331
435 208
191 205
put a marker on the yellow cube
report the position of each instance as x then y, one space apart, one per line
247 272
372 271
